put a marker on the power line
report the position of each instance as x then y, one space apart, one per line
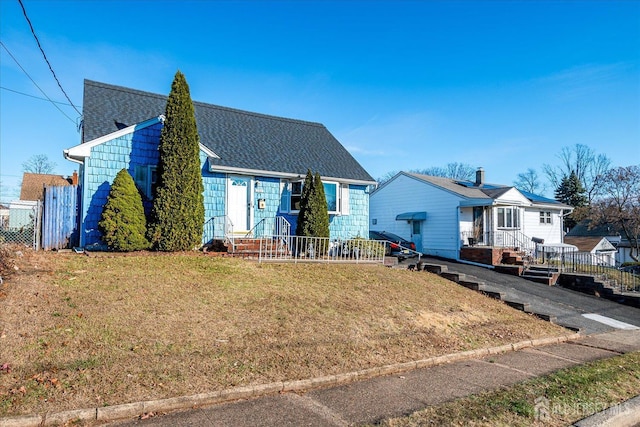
36 84
24 12
33 96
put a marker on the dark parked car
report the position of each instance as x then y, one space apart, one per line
633 269
397 246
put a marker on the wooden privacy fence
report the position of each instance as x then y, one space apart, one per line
60 217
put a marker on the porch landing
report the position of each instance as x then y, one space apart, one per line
510 261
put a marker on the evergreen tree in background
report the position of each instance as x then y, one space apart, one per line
177 215
571 192
123 224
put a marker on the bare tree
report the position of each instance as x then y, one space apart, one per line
38 163
620 205
585 163
386 177
460 171
529 181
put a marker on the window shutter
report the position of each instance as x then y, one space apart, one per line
285 197
344 199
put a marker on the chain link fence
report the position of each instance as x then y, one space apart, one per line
21 225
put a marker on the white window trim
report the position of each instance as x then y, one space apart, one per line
515 215
546 218
342 197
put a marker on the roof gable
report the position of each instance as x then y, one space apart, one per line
510 195
240 139
590 243
33 184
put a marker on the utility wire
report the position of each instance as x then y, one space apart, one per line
36 84
24 12
33 96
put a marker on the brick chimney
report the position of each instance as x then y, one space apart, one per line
479 177
74 178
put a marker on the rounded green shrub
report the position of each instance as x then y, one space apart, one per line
123 224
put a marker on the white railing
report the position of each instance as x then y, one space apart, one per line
274 226
499 239
219 228
320 249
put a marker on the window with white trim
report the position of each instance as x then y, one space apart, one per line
337 196
296 196
508 217
545 217
145 177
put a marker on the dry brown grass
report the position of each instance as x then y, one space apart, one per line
80 331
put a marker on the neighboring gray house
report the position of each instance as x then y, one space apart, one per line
253 164
583 230
442 215
602 250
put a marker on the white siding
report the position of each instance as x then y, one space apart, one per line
440 234
512 197
551 233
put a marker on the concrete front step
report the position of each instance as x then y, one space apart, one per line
547 280
514 270
435 268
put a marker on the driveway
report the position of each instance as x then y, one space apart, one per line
569 307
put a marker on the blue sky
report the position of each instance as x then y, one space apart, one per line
402 84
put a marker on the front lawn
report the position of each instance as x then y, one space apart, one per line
82 331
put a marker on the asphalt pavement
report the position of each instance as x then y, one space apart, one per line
568 307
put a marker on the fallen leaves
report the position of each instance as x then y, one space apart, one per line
45 379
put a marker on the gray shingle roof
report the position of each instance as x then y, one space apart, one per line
453 186
486 191
242 139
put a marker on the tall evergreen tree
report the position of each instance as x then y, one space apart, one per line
123 224
303 226
177 215
319 210
571 192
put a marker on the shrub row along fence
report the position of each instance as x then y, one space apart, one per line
319 249
566 260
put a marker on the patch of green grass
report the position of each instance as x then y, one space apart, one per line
567 395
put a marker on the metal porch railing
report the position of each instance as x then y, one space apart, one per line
285 248
219 228
566 260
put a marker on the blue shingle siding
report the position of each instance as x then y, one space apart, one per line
244 142
356 224
139 148
269 190
214 198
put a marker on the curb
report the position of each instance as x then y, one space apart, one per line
135 409
625 414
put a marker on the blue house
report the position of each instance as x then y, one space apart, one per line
253 165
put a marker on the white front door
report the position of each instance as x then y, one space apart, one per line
239 202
